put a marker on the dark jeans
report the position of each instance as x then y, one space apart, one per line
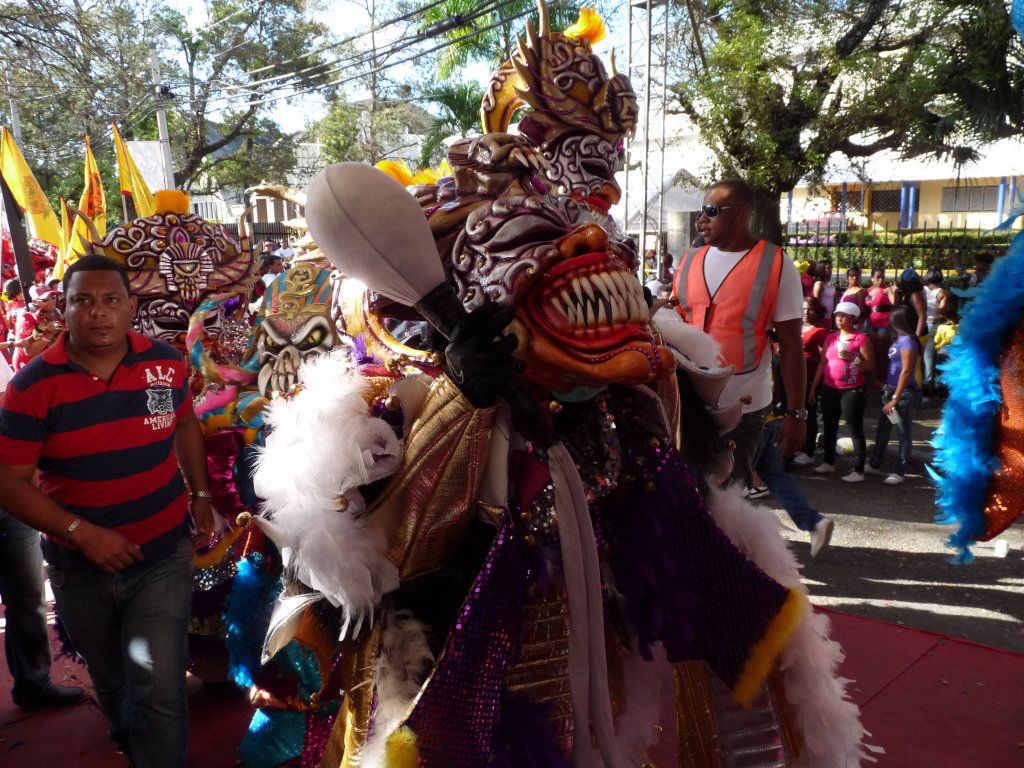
130 627
850 403
21 589
907 409
771 466
746 436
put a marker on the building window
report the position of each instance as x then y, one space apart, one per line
967 199
854 199
885 200
208 209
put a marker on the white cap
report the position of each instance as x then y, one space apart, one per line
847 308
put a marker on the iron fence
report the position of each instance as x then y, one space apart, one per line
953 250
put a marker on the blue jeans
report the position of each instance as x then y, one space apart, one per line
770 465
928 359
130 627
21 589
907 409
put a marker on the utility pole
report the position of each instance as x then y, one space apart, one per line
161 118
15 116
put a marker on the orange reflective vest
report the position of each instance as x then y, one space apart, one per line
739 314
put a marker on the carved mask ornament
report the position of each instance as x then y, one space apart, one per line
297 325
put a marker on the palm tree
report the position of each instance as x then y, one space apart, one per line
458 115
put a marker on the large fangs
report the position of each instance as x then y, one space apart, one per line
565 297
587 288
620 283
609 285
576 288
589 308
570 313
602 318
618 310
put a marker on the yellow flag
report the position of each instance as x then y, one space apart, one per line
65 225
94 205
132 183
42 222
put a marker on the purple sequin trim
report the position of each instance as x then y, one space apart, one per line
455 716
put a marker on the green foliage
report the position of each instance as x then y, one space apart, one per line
778 88
368 132
495 45
458 114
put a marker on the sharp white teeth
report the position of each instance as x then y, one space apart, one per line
602 318
570 313
620 283
585 282
634 309
619 313
589 315
565 297
578 290
605 281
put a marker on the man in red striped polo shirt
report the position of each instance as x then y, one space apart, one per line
105 419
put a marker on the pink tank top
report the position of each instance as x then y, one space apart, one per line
879 318
840 374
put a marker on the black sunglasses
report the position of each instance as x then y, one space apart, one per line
712 210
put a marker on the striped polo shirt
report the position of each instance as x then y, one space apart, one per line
104 451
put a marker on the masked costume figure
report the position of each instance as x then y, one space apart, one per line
495 560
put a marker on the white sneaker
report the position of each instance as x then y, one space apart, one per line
874 471
824 469
893 479
821 536
801 459
853 477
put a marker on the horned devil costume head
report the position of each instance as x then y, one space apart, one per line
174 260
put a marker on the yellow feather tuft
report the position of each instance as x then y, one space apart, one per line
397 170
400 750
589 27
170 201
762 656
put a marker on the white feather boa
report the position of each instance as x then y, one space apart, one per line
401 668
829 722
322 445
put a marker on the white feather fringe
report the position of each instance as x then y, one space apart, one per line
322 445
698 346
636 727
829 723
404 662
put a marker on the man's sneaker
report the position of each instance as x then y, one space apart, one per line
869 470
853 477
893 479
801 459
825 469
757 492
821 536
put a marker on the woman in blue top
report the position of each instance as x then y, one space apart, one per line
900 396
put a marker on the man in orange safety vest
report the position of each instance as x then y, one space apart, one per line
737 288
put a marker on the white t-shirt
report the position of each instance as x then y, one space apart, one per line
788 306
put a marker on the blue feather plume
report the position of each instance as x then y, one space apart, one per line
248 614
964 441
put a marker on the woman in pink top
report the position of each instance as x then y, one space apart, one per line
880 300
846 357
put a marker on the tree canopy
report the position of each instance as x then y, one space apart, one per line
778 87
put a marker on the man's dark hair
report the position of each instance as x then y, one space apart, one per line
94 262
12 288
740 192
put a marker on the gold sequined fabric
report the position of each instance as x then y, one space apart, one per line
429 502
542 672
1004 502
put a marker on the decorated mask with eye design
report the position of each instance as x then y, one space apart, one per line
174 260
297 325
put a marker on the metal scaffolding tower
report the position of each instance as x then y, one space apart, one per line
647 67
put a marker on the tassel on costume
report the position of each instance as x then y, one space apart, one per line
401 751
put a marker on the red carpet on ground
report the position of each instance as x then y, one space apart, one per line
928 700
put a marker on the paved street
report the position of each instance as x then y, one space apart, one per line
887 559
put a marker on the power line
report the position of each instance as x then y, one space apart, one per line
222 19
383 67
489 7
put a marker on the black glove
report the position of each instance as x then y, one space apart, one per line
478 359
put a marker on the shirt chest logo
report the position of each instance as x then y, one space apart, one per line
159 401
160 376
